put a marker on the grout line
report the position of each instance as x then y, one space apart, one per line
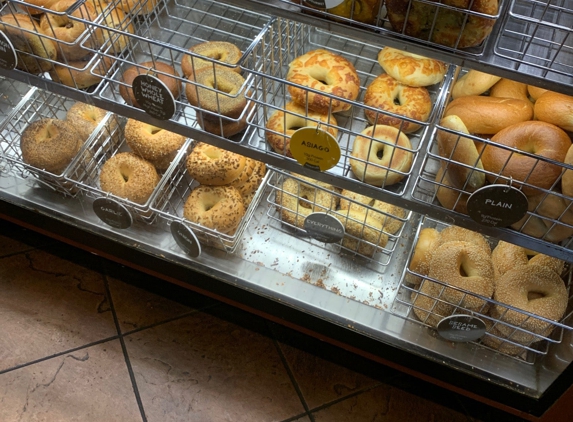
124 350
349 396
55 355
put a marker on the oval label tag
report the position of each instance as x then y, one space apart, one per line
112 213
186 239
153 97
8 57
324 228
461 328
497 205
314 148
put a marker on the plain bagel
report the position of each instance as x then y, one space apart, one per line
555 108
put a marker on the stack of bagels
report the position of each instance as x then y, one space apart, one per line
368 223
519 135
227 185
471 274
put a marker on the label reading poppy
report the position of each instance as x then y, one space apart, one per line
154 97
315 148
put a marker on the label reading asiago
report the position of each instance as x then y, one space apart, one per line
315 148
324 228
186 239
154 97
461 328
497 205
112 213
8 57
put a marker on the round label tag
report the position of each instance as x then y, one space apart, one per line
186 239
314 148
324 228
497 205
112 213
154 97
8 57
461 328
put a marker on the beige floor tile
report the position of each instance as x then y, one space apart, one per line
203 368
49 305
388 404
88 385
321 381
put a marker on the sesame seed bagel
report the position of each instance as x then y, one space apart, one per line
157 145
411 69
219 92
129 176
427 241
536 289
210 165
218 208
506 256
50 144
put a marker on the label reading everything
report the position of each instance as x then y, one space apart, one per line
324 228
314 148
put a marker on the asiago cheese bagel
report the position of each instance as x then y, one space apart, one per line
411 69
283 123
331 78
381 155
388 95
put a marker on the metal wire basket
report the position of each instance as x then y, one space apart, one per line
429 306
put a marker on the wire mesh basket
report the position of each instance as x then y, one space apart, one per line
183 184
538 35
279 115
70 171
457 26
371 229
429 302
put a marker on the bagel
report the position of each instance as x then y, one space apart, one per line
381 156
296 199
457 233
218 91
116 27
448 195
129 176
363 233
567 178
555 108
506 256
138 7
488 115
210 165
162 71
387 94
219 208
35 51
426 243
283 123
81 74
86 117
69 29
535 289
529 173
506 88
155 144
365 11
459 149
535 92
473 82
448 26
223 126
50 144
411 69
328 73
221 52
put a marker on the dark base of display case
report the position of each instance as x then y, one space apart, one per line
555 406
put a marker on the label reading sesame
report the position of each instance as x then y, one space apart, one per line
186 239
461 328
314 148
497 205
112 213
8 57
324 228
154 97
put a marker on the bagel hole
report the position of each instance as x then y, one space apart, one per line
534 295
304 202
155 130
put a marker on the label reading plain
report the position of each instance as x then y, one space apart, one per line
154 97
112 213
8 57
497 205
315 148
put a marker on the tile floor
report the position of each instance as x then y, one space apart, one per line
84 339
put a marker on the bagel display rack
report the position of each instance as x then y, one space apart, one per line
324 281
536 343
